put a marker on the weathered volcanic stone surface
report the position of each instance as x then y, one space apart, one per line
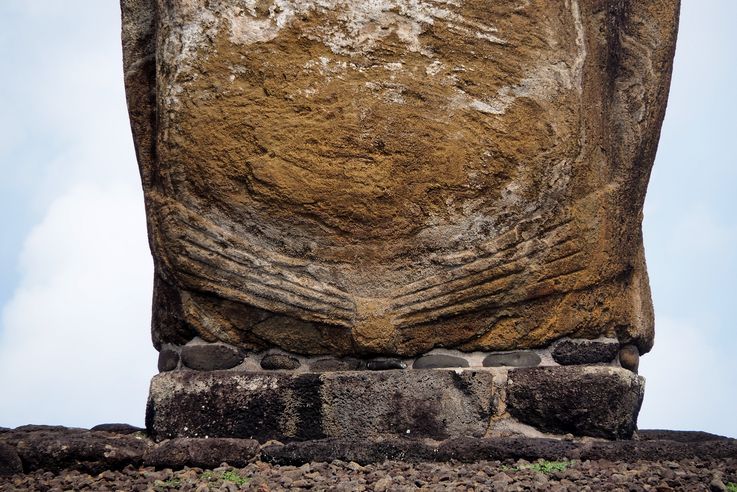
211 356
381 178
201 452
58 448
117 428
10 463
283 406
198 452
567 352
590 401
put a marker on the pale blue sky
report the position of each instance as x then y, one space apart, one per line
75 271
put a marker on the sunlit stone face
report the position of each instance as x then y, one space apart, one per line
393 175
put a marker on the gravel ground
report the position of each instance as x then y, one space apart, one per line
600 475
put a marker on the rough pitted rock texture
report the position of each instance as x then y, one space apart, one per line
204 453
568 352
58 448
593 401
660 460
10 463
416 404
349 177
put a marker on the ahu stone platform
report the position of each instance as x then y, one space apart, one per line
599 401
31 448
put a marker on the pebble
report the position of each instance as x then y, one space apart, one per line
279 361
437 361
629 358
332 364
168 360
520 358
211 356
385 364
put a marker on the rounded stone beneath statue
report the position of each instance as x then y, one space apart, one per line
333 364
573 352
439 361
279 361
521 358
211 356
629 358
168 360
385 364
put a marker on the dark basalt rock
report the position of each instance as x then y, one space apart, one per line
332 364
62 448
629 358
385 364
570 352
468 450
657 450
91 452
679 436
439 361
10 463
279 361
590 401
202 453
211 356
356 450
519 358
306 406
168 360
117 428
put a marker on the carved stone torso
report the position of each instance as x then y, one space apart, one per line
386 177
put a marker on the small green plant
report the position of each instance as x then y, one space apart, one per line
548 466
731 486
231 476
172 483
208 475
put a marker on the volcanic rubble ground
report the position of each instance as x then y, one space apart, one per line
687 474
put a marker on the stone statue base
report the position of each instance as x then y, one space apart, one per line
585 400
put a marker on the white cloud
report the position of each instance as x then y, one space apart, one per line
75 348
74 338
689 383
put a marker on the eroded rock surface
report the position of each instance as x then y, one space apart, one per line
348 178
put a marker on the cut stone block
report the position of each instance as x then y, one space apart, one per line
581 400
283 406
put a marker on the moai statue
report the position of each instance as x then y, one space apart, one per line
336 186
